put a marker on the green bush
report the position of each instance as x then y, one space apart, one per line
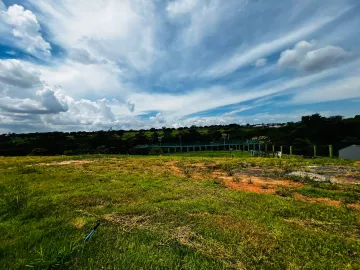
284 191
38 152
155 151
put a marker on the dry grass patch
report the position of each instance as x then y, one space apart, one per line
78 222
354 206
66 162
326 201
208 247
129 222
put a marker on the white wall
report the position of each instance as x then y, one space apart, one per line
351 152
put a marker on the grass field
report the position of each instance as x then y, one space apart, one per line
178 212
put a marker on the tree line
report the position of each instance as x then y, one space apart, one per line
311 130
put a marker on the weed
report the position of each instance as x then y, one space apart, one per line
187 171
28 169
288 169
15 199
250 181
50 260
230 173
218 181
284 191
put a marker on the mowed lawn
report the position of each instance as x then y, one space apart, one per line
175 213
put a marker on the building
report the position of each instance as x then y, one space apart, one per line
350 152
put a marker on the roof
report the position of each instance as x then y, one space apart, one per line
354 145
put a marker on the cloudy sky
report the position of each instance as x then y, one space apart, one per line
128 64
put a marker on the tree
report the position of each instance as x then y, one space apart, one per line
38 152
303 147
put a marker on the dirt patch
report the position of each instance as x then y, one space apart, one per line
354 206
326 201
247 180
174 169
253 183
67 162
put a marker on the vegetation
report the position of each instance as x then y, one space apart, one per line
302 136
176 212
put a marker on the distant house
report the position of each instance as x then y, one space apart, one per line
350 152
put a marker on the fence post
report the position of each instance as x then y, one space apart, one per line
330 151
175 149
281 149
290 150
314 150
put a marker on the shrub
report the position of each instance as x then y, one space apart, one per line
68 152
38 152
284 191
156 151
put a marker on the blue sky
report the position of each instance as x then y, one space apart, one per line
129 64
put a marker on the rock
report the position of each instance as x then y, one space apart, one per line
314 176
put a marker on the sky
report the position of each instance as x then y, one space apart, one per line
82 65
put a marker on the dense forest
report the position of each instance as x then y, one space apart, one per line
302 135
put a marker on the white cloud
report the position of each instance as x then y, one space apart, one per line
84 57
2 6
85 81
130 105
180 7
47 103
26 29
329 91
261 62
16 105
243 58
50 101
291 58
204 19
305 57
17 73
117 30
158 120
323 58
22 91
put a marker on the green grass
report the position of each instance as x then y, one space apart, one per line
348 196
152 218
